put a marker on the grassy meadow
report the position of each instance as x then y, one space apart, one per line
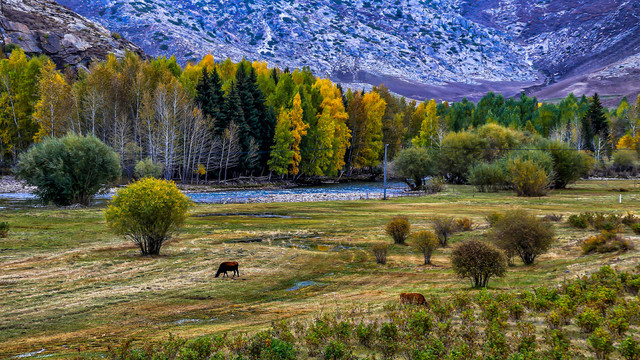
71 287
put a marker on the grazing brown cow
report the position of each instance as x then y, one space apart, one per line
412 299
228 266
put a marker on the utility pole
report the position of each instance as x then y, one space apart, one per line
385 172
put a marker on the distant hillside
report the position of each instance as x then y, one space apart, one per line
445 49
45 27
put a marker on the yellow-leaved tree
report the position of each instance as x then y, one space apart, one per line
331 136
285 152
428 136
367 145
54 110
298 130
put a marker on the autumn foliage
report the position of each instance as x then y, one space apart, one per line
148 212
398 229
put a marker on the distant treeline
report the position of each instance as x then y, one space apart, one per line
216 120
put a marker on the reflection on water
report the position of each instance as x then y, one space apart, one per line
345 191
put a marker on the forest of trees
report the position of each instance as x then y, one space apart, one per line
218 120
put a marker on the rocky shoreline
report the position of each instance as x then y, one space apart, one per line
10 185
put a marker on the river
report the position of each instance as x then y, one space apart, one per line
327 192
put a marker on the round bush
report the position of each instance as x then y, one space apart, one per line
522 234
426 242
147 168
528 178
398 229
69 170
478 261
148 212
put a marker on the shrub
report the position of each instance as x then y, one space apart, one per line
147 168
488 177
528 178
630 219
366 334
629 348
609 222
625 160
636 228
116 36
607 241
601 343
578 221
148 212
336 350
478 261
69 170
398 229
4 229
426 242
435 185
464 224
380 251
414 164
522 234
388 340
568 165
553 217
493 218
588 319
444 227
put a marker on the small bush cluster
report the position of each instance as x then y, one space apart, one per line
464 224
4 229
380 252
587 317
601 221
444 227
399 229
607 241
435 185
147 168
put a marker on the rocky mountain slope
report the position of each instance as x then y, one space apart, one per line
45 27
419 48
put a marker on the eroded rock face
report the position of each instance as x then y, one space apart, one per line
45 27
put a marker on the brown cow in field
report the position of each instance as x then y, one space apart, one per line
412 299
228 266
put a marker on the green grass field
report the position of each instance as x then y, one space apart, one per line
71 287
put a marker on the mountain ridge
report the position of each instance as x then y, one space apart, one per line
443 49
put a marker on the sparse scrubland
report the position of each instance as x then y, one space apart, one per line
310 286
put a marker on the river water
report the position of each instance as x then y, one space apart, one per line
327 192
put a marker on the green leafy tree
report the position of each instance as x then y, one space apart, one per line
69 170
459 153
568 164
148 212
415 163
